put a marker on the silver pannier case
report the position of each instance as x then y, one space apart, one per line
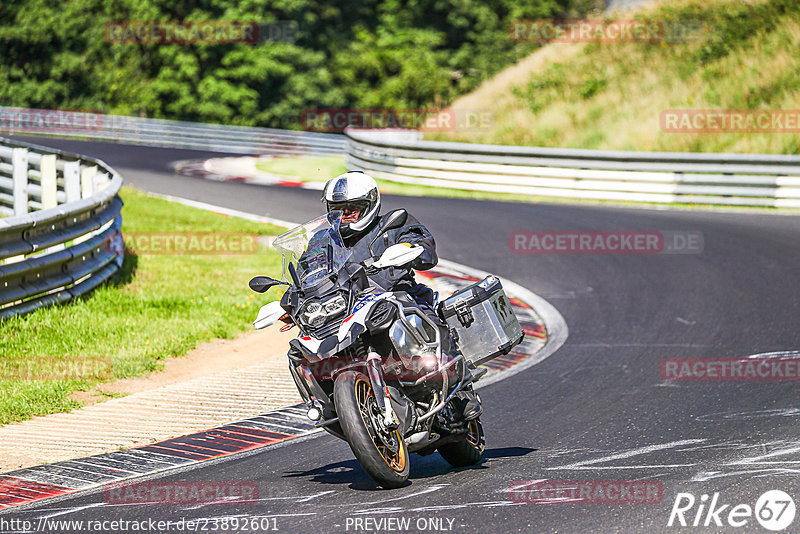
483 320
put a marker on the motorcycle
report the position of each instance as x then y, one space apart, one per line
377 368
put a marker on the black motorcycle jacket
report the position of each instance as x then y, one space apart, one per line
395 278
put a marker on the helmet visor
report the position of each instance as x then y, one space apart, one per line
352 210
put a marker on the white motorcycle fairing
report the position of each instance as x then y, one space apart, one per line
360 312
352 326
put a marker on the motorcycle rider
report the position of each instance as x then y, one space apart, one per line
356 195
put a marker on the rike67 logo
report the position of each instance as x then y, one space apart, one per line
774 510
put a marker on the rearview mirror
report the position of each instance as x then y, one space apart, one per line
261 283
393 220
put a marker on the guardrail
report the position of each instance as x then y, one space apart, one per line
662 177
168 133
60 237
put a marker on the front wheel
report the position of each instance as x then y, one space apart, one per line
468 450
380 451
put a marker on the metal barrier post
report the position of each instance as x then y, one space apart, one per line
19 163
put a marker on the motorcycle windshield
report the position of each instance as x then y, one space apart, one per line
314 248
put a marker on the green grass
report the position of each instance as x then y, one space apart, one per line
737 56
162 306
306 168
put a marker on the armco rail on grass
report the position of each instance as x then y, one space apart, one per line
168 133
661 177
60 237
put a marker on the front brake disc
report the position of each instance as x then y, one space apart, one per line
386 436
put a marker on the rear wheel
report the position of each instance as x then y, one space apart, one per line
467 451
380 451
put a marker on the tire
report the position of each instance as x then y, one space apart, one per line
389 468
467 451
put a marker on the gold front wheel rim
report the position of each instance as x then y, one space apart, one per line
474 434
395 460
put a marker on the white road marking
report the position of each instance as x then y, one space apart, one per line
756 414
292 498
383 510
310 497
630 453
725 445
778 354
524 485
431 489
704 477
758 460
70 510
615 467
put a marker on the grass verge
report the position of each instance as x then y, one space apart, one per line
736 55
161 306
305 168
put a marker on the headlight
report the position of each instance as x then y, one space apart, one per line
335 305
313 314
316 313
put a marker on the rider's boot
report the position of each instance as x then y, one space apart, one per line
468 400
471 404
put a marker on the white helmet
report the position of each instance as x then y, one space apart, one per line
357 195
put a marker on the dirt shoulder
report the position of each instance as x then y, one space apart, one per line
218 382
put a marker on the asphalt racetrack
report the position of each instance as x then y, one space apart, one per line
597 409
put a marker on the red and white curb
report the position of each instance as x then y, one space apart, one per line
45 481
239 172
545 331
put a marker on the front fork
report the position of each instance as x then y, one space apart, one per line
382 396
